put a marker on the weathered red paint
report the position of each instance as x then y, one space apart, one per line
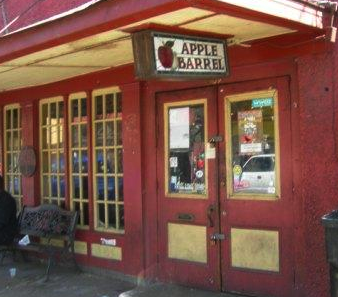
318 159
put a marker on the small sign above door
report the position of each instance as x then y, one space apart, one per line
179 57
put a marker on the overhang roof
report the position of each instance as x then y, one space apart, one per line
97 35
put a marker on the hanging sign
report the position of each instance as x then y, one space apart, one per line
162 55
250 128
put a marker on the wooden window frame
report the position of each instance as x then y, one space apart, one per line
272 93
80 123
12 152
104 175
187 103
51 199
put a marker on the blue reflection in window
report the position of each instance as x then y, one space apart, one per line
75 162
111 188
99 161
54 181
120 180
84 162
62 187
100 188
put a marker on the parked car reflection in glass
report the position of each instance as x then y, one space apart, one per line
258 175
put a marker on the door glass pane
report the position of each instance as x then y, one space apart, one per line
75 162
53 111
61 163
83 135
62 187
61 112
186 145
112 215
110 161
15 118
85 187
9 141
75 136
45 117
99 161
98 107
100 188
119 133
99 134
110 133
54 182
76 187
111 188
119 158
119 104
253 146
110 105
74 110
83 107
8 119
45 186
84 162
54 162
45 162
120 188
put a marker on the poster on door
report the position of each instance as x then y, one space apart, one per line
179 134
250 131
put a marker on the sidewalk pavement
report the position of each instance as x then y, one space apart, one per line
29 281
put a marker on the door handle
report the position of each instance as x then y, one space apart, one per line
210 211
259 177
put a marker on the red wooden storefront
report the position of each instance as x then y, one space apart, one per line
181 207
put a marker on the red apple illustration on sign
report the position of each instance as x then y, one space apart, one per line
165 54
247 138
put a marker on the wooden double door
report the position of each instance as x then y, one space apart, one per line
225 215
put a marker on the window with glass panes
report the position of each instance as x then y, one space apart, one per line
78 131
108 160
12 135
52 151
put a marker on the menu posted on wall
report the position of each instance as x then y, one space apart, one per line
163 55
250 131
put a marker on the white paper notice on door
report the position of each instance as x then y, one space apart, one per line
210 151
179 128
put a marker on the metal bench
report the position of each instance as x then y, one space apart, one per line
46 225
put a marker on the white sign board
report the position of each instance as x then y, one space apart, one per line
176 54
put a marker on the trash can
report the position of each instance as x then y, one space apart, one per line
330 222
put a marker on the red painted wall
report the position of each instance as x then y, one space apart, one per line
317 76
314 130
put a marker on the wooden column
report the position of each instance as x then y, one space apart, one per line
30 133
